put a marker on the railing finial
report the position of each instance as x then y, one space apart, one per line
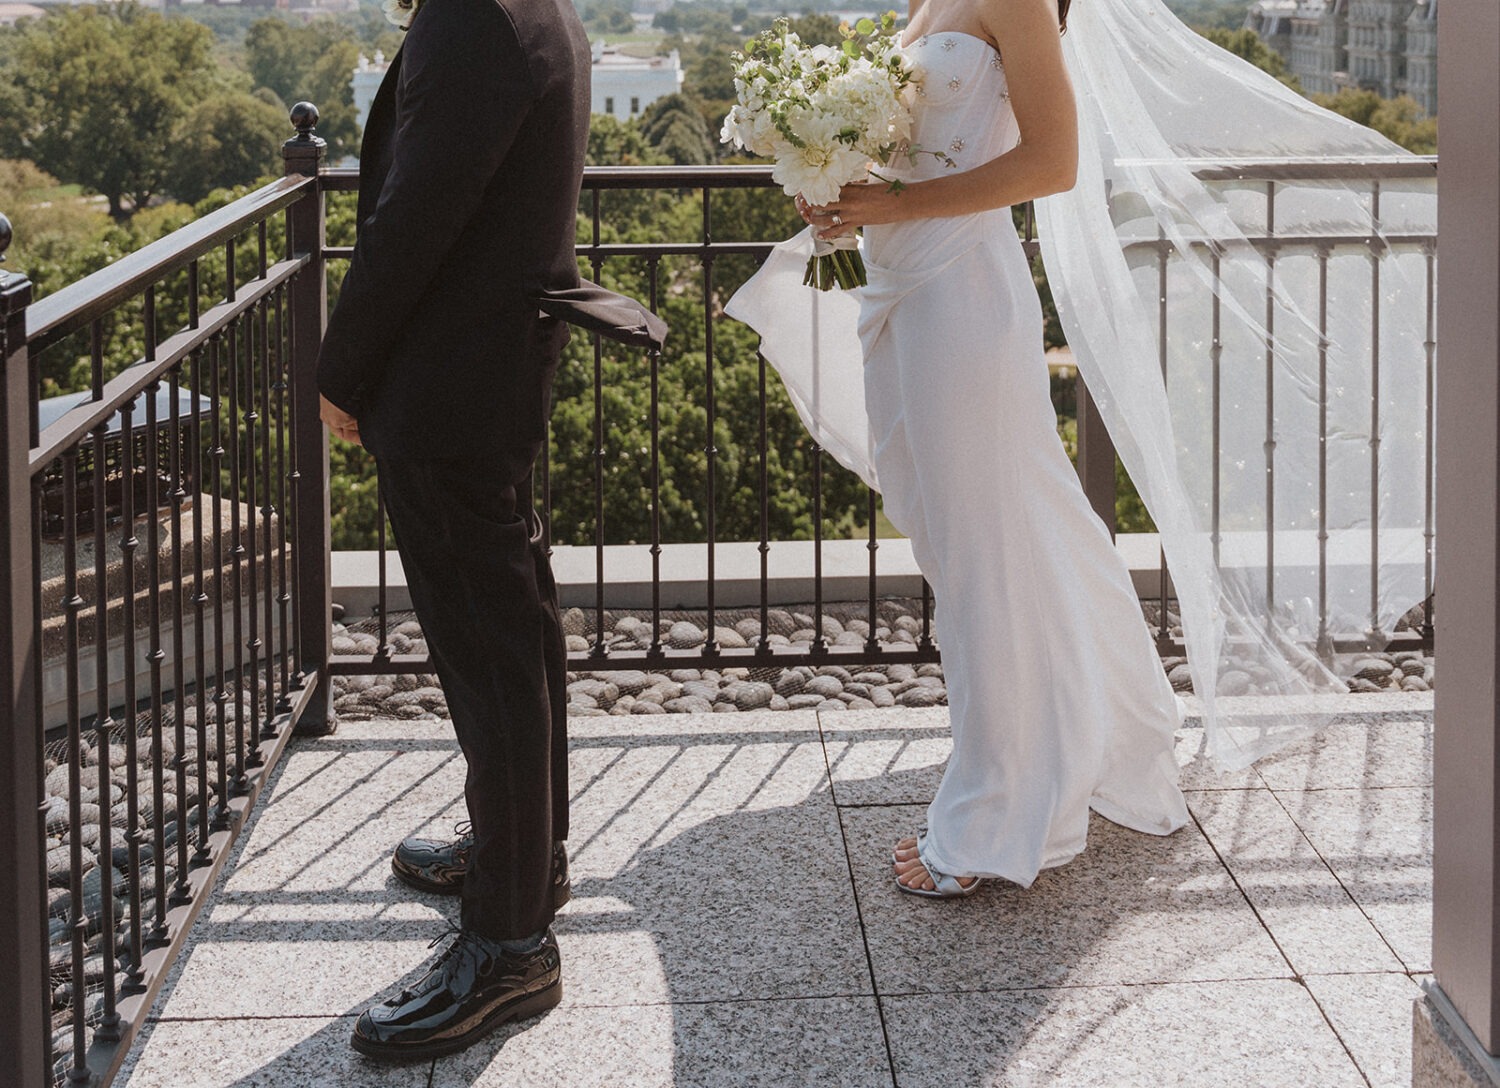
304 152
304 119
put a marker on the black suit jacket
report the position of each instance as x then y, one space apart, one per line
469 181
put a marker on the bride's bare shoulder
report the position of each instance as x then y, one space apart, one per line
1016 19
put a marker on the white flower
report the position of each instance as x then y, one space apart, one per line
818 171
399 12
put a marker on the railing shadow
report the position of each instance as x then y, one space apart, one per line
722 899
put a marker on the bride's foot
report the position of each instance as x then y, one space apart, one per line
911 873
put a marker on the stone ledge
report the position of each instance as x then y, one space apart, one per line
1444 1052
684 573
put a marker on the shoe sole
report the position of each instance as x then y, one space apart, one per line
523 1009
561 893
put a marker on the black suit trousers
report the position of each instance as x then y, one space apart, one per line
482 586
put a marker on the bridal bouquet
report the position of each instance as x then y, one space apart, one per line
824 114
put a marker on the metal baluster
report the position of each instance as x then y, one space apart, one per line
1377 248
764 645
654 359
181 893
135 976
155 656
819 645
72 605
283 595
200 606
267 511
221 695
1325 639
925 641
872 644
1216 353
236 552
1163 253
294 482
710 447
254 345
382 575
109 1027
1269 444
1429 347
601 636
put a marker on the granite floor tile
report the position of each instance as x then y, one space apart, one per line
403 768
1318 926
1379 844
1132 908
830 1043
707 864
273 1052
1362 751
1372 1015
897 756
1264 1032
1198 771
887 757
249 967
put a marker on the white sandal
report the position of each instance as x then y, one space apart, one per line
944 885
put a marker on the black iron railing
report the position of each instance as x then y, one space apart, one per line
158 649
154 662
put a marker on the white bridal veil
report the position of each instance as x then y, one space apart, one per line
1244 279
1278 428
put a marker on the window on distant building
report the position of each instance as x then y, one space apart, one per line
635 106
609 106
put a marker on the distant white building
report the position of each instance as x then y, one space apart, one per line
10 14
365 82
624 85
1386 46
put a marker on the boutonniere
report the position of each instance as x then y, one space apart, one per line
401 12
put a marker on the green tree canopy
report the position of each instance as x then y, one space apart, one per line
229 139
314 62
101 92
677 130
1399 120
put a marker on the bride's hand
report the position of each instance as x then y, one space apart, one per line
858 205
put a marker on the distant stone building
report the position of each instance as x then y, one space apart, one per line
624 85
1386 46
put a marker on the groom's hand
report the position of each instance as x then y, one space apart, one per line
340 422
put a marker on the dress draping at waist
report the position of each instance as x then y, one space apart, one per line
916 251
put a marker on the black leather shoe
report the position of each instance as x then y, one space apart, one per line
431 865
472 988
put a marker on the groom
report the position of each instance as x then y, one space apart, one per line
439 362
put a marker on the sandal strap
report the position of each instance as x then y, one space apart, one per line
943 882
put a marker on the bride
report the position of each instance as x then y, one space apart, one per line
964 443
1205 189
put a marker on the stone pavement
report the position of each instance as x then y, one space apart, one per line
734 921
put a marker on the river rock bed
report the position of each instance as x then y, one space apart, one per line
827 687
168 811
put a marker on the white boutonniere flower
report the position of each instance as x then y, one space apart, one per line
400 12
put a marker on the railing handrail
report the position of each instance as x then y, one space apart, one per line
723 176
123 388
71 308
1307 168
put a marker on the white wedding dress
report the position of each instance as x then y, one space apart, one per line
1056 695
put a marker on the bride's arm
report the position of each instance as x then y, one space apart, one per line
1046 160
